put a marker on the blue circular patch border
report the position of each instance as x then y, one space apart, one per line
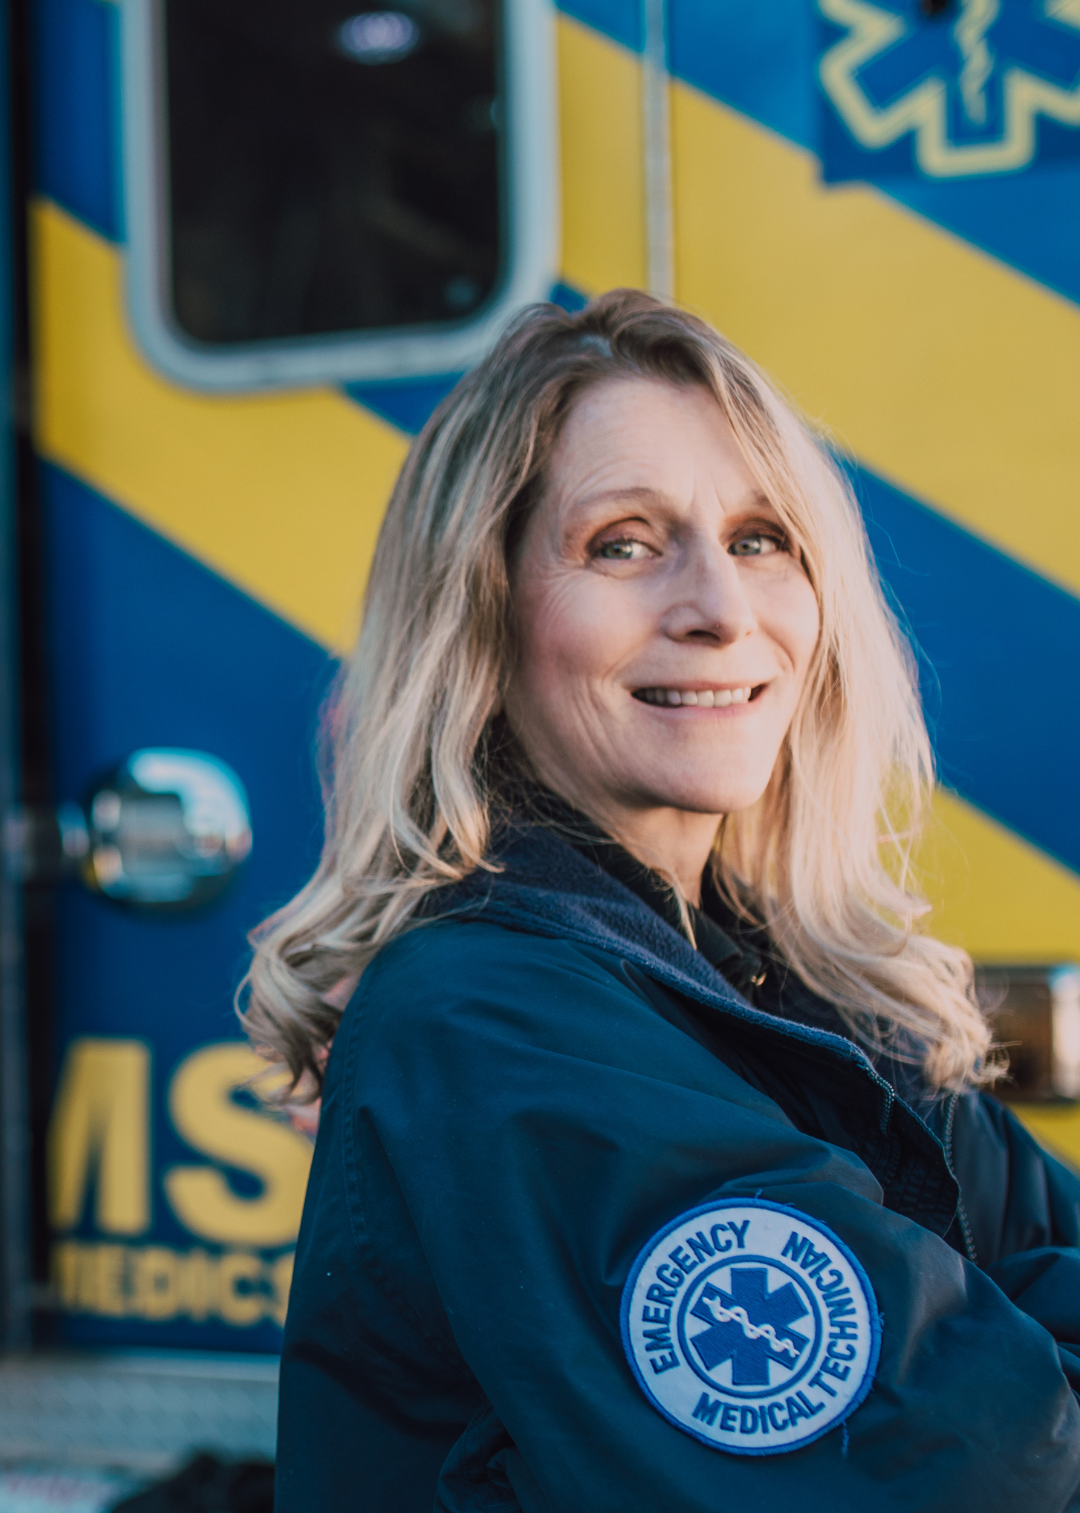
780 1208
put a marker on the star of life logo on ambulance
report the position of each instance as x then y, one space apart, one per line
751 1326
984 87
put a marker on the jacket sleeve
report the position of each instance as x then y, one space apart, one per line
543 1123
1023 1210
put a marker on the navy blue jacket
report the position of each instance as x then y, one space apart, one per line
524 1091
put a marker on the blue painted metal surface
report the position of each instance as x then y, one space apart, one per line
15 1258
150 648
76 109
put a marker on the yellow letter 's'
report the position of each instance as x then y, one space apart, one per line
207 1117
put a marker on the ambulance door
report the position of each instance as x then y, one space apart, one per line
263 238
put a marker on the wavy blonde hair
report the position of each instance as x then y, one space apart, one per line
418 756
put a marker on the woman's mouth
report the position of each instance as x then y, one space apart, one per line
702 698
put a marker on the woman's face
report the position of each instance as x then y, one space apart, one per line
664 625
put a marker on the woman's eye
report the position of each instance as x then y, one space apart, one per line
758 544
625 549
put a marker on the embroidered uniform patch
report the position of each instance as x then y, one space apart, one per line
751 1326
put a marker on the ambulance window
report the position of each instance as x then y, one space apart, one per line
330 169
323 170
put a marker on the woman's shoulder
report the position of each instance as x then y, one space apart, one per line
469 994
474 954
471 971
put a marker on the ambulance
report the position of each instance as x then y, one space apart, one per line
247 248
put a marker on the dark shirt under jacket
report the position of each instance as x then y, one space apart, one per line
529 1085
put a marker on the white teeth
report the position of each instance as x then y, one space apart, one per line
706 698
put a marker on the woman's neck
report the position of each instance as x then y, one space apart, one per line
673 842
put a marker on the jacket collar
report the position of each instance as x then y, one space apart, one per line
545 886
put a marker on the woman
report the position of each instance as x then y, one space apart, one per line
653 1169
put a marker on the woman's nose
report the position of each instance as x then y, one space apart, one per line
709 600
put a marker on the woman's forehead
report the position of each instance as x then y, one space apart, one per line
622 400
635 438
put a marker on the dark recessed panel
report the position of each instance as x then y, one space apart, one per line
330 169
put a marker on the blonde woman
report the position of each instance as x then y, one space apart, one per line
654 1171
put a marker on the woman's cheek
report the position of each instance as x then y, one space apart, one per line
790 616
586 632
811 623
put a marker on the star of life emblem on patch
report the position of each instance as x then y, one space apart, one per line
750 1326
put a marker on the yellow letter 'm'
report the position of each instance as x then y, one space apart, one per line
208 1118
100 1131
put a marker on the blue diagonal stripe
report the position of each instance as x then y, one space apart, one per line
76 80
999 651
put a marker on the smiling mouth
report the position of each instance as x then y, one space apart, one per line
702 698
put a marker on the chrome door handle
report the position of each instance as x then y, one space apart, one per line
167 830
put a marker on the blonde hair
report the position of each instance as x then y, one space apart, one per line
419 757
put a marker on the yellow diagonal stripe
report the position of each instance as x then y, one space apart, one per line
995 894
1055 1126
1005 901
944 370
282 494
603 182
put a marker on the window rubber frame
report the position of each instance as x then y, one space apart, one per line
529 189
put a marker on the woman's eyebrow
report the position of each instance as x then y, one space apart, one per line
633 494
752 503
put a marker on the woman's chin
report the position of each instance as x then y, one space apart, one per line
704 797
